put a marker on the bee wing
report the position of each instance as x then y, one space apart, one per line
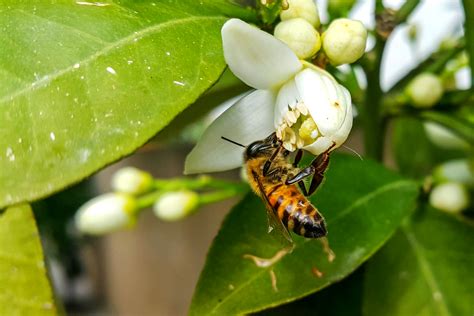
273 221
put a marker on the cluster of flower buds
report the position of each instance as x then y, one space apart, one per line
343 42
453 180
135 190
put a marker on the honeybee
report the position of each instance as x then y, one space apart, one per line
275 180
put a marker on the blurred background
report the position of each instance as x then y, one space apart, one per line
153 268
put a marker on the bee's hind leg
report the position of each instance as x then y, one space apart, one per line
320 164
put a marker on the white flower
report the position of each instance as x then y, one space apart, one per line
106 213
450 197
425 90
173 206
131 180
300 36
305 9
303 103
344 41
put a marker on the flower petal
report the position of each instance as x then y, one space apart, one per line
324 98
248 120
256 57
288 96
343 132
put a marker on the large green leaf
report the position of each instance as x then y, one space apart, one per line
426 269
327 302
363 204
25 289
85 83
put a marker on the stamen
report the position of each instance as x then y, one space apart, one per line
301 107
288 146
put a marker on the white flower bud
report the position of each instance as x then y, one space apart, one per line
425 90
457 170
443 137
344 41
131 180
450 197
106 213
313 112
173 206
305 9
300 36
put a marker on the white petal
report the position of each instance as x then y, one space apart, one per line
324 99
343 132
287 96
320 145
256 57
248 120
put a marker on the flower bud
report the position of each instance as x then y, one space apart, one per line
344 41
425 90
173 206
305 9
443 137
458 170
106 213
450 197
300 36
131 180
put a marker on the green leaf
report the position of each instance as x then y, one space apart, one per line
327 301
84 85
363 204
25 289
425 269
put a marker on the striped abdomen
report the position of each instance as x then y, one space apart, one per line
295 211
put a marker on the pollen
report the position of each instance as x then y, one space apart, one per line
298 128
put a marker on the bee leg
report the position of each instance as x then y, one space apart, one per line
320 164
268 163
299 155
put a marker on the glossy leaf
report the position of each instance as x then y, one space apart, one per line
85 83
425 269
25 289
327 302
363 204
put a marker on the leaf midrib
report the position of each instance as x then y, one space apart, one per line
357 203
426 271
106 49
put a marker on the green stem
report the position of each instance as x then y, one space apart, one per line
148 199
217 196
373 124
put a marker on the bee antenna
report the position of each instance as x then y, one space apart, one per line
353 151
231 141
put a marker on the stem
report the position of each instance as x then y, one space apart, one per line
373 124
217 196
148 199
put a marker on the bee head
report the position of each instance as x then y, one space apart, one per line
263 147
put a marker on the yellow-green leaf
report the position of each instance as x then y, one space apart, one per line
25 288
84 83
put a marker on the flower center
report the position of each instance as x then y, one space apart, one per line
298 128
